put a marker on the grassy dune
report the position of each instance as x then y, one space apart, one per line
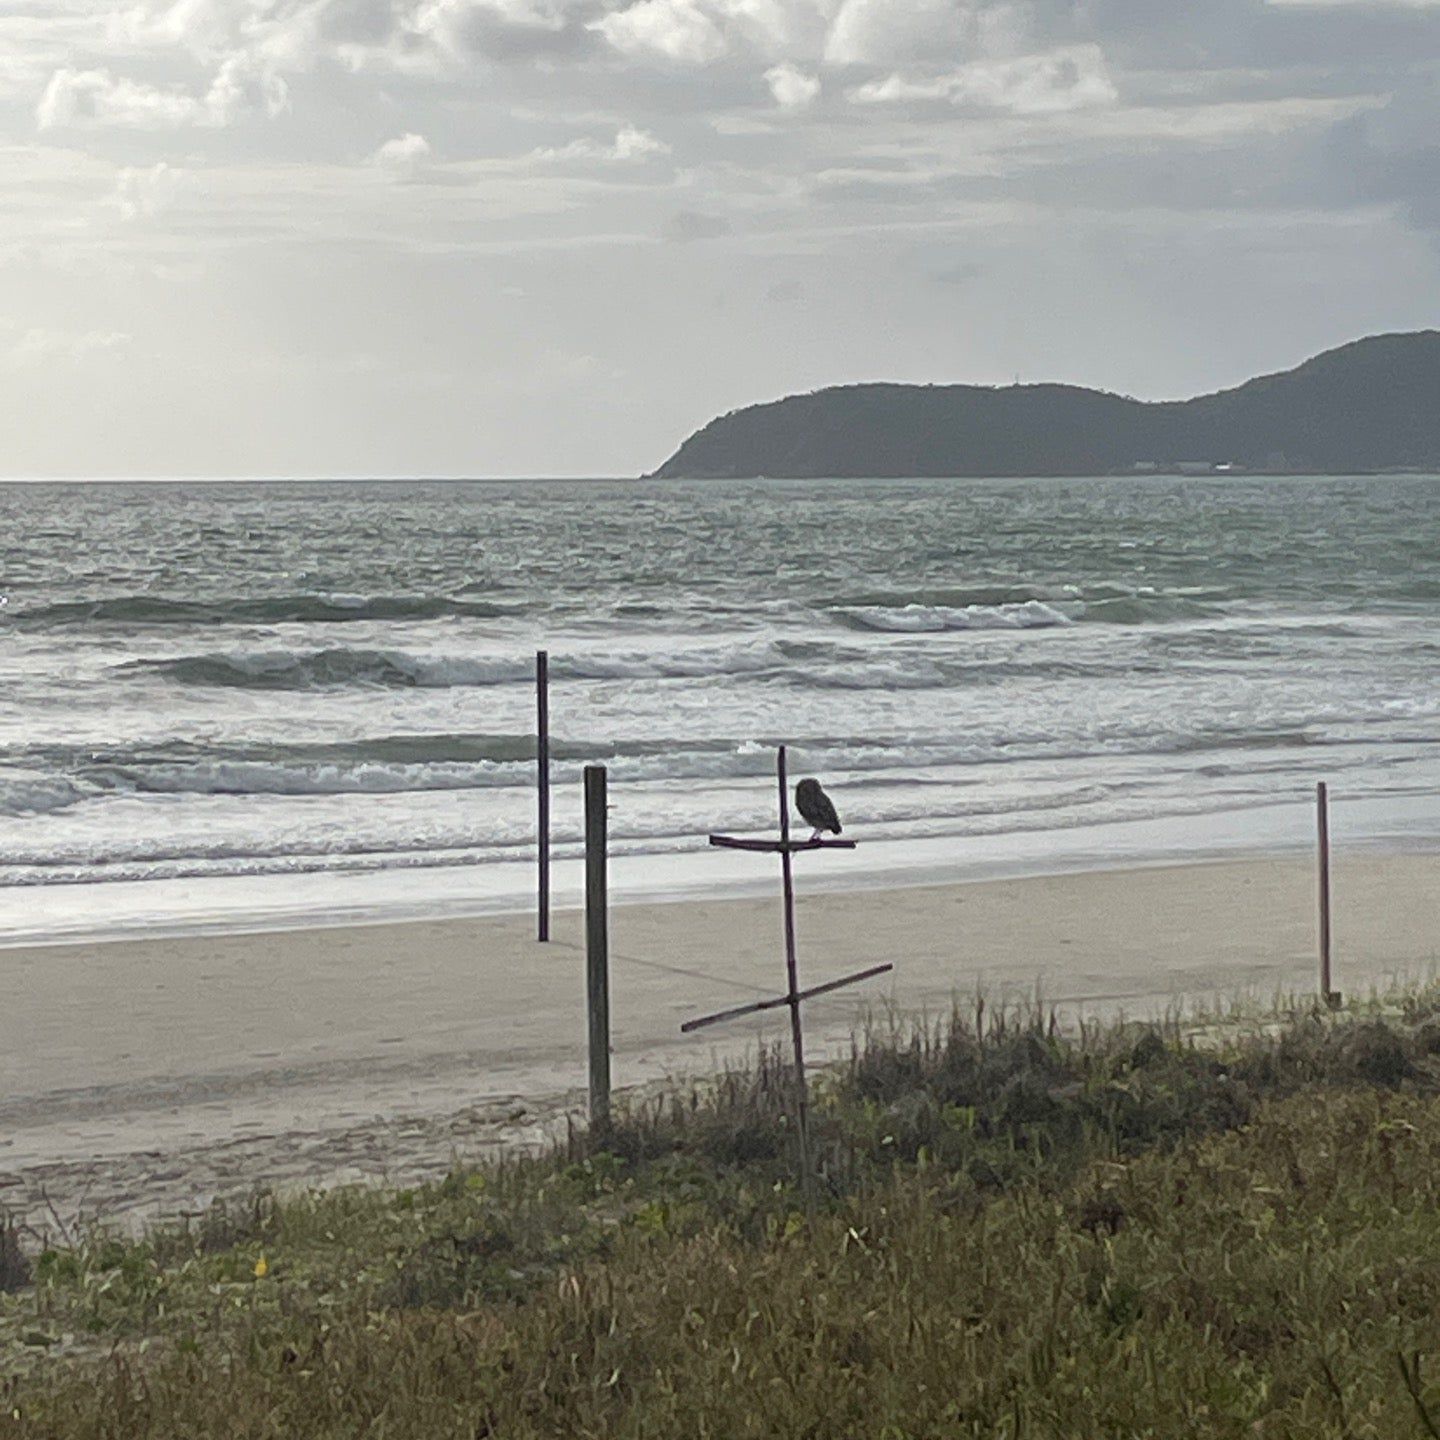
1130 1233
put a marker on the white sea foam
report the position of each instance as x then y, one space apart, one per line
304 669
949 660
1025 615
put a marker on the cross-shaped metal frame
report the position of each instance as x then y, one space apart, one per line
794 996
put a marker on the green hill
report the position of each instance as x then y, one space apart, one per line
1369 406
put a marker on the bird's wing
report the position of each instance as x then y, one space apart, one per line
825 811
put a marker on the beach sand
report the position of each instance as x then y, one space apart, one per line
142 1077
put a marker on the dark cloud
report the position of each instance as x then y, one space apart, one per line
1390 155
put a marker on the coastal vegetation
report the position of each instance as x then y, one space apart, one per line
1181 1229
1372 405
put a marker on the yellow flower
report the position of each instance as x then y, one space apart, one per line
262 1268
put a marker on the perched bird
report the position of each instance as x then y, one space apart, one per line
815 808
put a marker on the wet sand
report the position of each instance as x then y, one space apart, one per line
139 1077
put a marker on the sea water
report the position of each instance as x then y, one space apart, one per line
272 703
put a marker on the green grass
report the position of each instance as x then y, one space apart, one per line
1127 1233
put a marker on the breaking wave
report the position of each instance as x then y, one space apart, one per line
913 618
917 616
405 764
321 669
26 793
258 610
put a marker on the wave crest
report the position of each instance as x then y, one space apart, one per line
914 618
282 669
26 793
326 669
311 608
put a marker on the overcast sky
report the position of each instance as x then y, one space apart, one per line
491 237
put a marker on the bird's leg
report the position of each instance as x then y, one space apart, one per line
815 834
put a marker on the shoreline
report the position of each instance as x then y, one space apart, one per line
116 912
366 1051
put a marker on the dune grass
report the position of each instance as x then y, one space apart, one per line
1015 1233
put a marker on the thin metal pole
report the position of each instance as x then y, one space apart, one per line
793 974
597 945
1322 815
542 788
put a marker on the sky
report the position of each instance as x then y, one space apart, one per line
552 237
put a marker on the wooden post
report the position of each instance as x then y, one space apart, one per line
542 787
1322 815
597 945
792 972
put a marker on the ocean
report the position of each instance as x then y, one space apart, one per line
277 702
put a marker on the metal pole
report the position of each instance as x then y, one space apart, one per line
597 946
1322 816
792 973
542 787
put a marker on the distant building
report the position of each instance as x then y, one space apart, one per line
1186 467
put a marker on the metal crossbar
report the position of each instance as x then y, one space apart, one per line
756 1006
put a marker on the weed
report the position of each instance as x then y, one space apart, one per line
1126 1232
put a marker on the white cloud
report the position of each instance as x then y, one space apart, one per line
291 37
243 84
458 29
84 98
96 97
630 143
41 345
277 34
792 87
145 192
897 32
778 28
404 155
1075 78
206 27
899 89
676 30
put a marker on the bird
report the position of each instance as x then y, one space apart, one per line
816 808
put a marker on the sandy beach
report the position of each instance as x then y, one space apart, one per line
143 1076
